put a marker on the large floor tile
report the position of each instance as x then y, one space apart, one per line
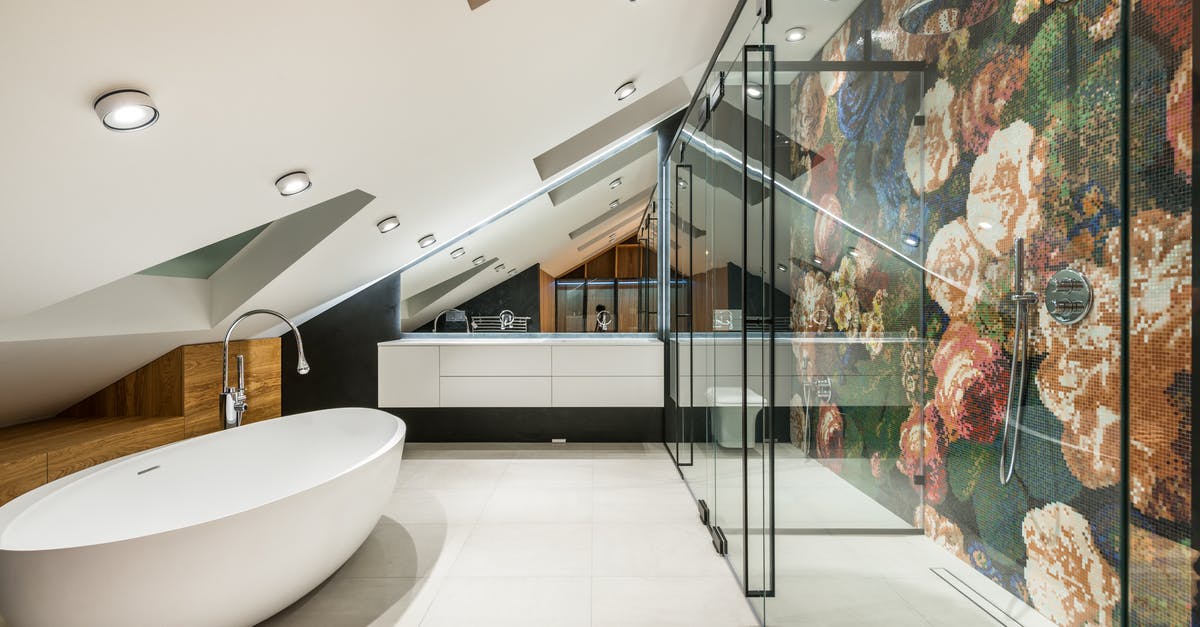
654 550
647 503
839 600
629 473
459 474
669 602
538 505
353 602
447 507
407 550
547 473
515 601
526 550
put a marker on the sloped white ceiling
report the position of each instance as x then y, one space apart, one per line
434 109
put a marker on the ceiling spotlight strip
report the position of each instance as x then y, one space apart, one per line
388 224
126 110
293 183
625 91
560 179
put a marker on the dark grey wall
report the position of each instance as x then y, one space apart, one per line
341 347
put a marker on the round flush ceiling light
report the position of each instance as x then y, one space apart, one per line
614 204
427 241
126 110
615 183
499 268
754 90
795 34
478 260
457 252
512 270
388 224
293 183
625 91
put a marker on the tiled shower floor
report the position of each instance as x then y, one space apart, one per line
834 579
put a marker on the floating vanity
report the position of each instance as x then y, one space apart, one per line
521 370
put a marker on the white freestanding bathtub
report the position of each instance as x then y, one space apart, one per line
223 529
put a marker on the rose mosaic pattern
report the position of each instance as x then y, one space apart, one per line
1006 188
1068 580
1021 139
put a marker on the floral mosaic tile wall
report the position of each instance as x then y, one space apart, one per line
1021 138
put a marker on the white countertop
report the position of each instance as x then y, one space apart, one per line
518 339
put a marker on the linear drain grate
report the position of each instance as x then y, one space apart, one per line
982 602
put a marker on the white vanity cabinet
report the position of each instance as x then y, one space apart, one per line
543 371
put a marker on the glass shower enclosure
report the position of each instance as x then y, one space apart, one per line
911 270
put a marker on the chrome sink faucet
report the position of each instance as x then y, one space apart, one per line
233 399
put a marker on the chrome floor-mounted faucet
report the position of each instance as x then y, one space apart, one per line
233 399
1016 376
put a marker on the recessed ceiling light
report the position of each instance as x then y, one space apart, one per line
911 239
853 251
126 110
625 91
457 252
499 267
782 268
293 183
614 204
427 241
615 183
817 260
754 90
796 34
512 270
985 225
388 224
478 260
682 184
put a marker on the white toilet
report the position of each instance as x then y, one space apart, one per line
726 402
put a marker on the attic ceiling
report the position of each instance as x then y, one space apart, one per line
433 110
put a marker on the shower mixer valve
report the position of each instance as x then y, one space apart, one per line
1068 296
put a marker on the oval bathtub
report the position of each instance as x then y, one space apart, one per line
223 529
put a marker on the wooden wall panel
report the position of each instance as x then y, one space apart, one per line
629 261
547 302
602 266
128 436
172 398
202 382
20 475
155 389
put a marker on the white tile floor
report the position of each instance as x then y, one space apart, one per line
500 534
557 535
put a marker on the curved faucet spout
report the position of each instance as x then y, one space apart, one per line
301 365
